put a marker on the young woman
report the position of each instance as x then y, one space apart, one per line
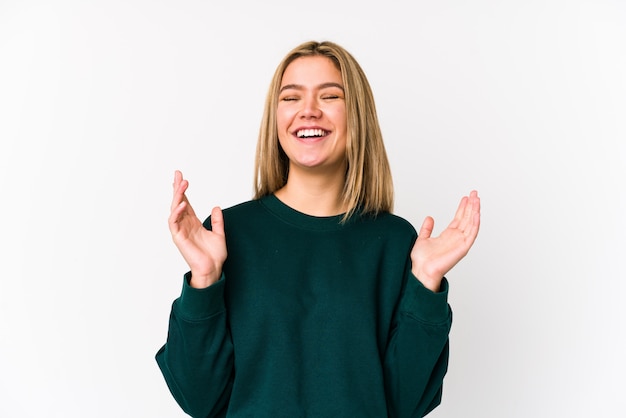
312 299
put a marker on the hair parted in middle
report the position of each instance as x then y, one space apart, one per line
368 186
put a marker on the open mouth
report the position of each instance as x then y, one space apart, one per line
311 133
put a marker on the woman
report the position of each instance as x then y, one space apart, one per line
312 299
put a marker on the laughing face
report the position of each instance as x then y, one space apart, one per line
311 116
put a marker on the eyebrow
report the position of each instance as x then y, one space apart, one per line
301 87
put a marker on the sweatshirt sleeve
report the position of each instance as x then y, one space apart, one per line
197 358
416 359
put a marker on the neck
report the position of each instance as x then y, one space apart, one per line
315 195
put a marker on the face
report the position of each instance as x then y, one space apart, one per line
311 116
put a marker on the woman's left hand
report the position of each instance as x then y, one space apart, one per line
433 257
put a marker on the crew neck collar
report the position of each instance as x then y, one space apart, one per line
300 219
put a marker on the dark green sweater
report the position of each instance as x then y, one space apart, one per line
311 318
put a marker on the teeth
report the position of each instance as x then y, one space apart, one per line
310 132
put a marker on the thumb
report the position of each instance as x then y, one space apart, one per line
217 221
427 228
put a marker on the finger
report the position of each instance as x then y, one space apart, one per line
472 231
427 228
464 219
217 221
475 206
175 217
460 213
179 181
468 213
178 176
179 193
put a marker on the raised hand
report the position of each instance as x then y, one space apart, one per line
203 250
433 257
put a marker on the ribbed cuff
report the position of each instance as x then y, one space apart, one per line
423 303
197 304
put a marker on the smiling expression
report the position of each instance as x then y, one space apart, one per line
311 115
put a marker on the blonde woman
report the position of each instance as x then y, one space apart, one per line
313 299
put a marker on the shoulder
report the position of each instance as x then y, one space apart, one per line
243 210
385 234
388 224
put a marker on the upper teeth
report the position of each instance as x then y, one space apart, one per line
310 132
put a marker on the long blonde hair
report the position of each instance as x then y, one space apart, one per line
368 185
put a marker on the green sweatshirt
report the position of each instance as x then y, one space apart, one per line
311 318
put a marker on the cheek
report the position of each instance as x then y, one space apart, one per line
281 140
337 114
284 116
282 130
341 122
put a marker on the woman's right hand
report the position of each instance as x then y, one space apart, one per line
203 250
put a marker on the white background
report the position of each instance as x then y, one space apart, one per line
100 101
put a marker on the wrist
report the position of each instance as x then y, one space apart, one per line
201 281
432 283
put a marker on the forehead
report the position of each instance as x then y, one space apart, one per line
311 71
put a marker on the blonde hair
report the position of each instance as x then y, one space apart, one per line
368 185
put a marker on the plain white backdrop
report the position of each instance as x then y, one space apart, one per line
100 101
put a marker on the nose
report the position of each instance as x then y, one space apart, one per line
310 108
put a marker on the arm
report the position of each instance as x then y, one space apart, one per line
197 359
416 359
417 355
